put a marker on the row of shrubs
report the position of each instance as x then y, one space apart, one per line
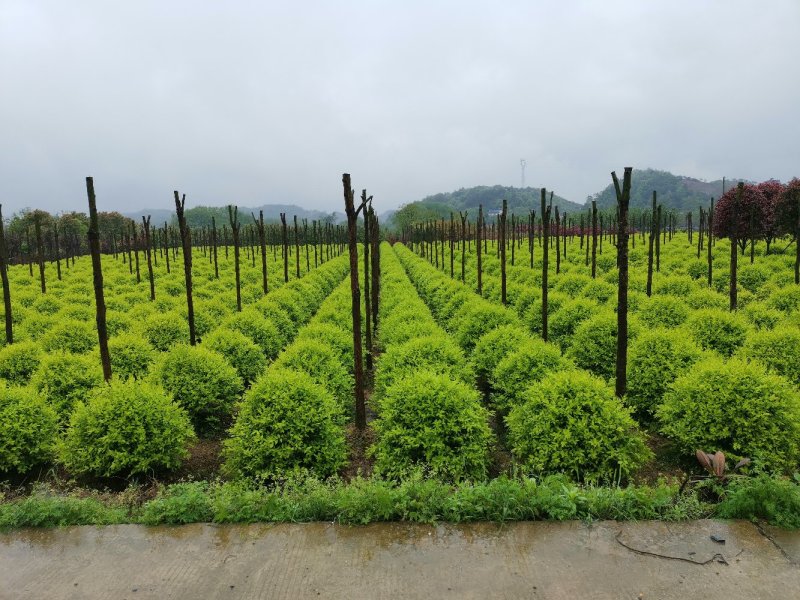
680 370
36 315
57 405
292 419
559 419
429 413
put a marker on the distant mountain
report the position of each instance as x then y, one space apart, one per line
200 216
520 201
158 216
673 192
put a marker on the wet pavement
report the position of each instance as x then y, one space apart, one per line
320 560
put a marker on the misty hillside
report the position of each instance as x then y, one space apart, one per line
200 216
520 201
675 192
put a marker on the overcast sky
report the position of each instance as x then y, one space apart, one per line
266 102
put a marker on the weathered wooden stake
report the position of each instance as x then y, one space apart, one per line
358 367
99 299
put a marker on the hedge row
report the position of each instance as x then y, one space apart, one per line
559 419
429 412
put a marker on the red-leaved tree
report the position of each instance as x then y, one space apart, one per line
754 215
786 208
772 190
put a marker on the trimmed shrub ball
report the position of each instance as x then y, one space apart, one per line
655 359
718 330
571 422
164 330
65 379
429 421
736 407
131 356
594 344
202 382
126 428
495 346
778 350
19 361
240 351
29 429
286 425
435 353
529 363
323 365
70 336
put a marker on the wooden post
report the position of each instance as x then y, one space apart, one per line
296 249
135 238
734 241
186 244
4 276
478 233
166 244
558 243
233 216
545 258
367 283
650 247
594 238
376 266
623 201
57 251
37 225
501 226
358 367
285 243
463 245
214 244
146 226
99 299
262 242
710 240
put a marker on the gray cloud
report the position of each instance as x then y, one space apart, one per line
252 102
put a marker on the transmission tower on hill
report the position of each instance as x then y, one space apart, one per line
522 164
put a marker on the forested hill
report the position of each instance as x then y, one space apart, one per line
674 192
200 216
520 201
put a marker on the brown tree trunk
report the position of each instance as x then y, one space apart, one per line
4 276
214 245
594 238
367 283
651 245
502 242
146 226
100 303
358 367
734 241
623 200
186 243
545 259
37 224
285 243
478 233
233 216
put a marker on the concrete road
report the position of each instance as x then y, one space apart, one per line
319 560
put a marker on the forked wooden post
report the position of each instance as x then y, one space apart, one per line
4 276
358 359
233 216
99 298
146 227
545 259
186 244
623 202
